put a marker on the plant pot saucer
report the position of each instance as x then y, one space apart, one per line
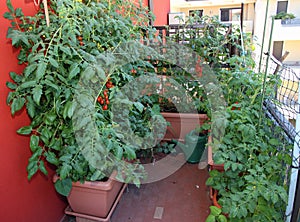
89 218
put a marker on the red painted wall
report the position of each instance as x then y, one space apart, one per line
161 10
20 200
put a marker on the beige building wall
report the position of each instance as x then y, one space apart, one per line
289 34
293 47
211 10
294 7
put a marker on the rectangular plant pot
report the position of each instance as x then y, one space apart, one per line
181 124
94 198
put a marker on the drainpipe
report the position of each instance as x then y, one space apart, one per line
242 16
151 8
263 39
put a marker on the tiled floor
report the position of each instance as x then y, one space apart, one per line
182 196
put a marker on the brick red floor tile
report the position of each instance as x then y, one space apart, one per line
183 195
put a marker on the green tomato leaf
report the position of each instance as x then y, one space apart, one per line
65 170
227 165
74 70
50 118
274 142
51 84
210 218
55 143
19 12
66 50
222 218
34 143
17 104
130 153
51 158
30 69
30 106
8 15
41 69
32 168
43 168
9 6
69 109
53 62
215 210
139 106
37 93
119 152
15 37
9 98
97 175
100 72
88 73
14 76
27 84
25 130
63 186
11 85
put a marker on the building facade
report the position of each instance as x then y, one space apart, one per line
251 14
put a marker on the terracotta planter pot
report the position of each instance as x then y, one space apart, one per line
94 198
219 167
215 199
181 124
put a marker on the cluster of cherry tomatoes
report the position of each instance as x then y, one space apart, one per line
103 99
80 40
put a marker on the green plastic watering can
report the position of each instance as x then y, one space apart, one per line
194 146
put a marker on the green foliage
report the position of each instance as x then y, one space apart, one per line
56 57
171 96
284 15
215 215
215 42
253 185
160 149
63 186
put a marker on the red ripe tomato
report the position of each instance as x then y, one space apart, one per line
105 107
109 85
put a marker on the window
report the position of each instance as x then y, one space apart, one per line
277 49
230 14
282 6
196 12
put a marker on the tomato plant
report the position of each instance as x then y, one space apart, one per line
55 58
252 186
